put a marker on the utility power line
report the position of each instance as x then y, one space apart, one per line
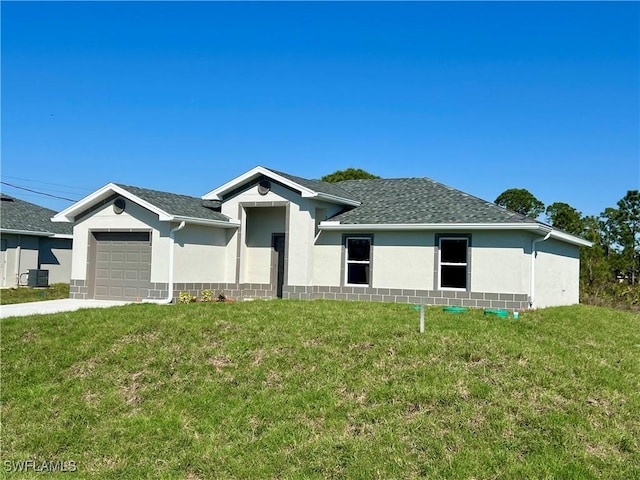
72 187
39 193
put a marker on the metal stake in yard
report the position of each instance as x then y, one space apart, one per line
422 318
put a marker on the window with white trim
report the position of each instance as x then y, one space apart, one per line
357 261
453 263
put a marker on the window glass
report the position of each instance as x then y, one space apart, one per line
358 261
358 274
453 277
358 249
453 263
453 250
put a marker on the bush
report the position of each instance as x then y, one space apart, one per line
207 296
185 297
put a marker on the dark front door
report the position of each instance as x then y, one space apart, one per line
278 262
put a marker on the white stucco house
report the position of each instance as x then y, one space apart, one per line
33 249
269 234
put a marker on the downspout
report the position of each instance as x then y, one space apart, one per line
169 298
534 254
18 258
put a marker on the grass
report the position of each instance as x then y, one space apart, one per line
323 389
27 294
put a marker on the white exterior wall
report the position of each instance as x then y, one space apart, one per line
327 255
408 260
403 260
398 259
500 261
557 275
199 254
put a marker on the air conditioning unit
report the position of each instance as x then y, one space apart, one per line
38 278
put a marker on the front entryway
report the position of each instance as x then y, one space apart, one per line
277 266
262 260
122 265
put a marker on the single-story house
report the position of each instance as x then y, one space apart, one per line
33 248
268 234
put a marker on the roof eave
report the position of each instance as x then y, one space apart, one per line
362 227
203 221
17 231
566 237
339 200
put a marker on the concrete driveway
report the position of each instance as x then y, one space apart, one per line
54 306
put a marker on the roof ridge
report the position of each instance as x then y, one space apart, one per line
121 185
492 205
177 204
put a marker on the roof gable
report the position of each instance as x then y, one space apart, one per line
25 217
307 188
168 206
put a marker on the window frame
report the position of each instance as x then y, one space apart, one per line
466 264
347 262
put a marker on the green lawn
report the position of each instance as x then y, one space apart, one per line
322 389
27 294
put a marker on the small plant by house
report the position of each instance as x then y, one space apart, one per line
186 297
207 296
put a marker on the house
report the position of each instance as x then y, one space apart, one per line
32 245
269 234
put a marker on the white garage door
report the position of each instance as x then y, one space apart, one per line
123 265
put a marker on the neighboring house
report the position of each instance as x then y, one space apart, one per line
31 241
268 234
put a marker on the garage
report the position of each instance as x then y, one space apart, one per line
122 266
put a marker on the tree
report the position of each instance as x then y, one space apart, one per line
596 273
563 216
616 233
348 174
520 200
628 217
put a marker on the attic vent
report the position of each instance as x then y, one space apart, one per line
264 187
119 206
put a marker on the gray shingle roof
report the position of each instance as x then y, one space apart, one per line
334 189
178 205
16 214
419 200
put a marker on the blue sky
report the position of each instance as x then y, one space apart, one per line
185 96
